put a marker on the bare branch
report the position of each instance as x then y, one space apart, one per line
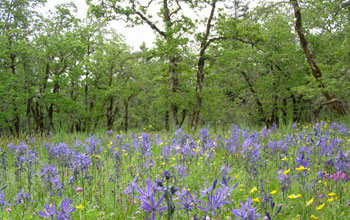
177 10
330 101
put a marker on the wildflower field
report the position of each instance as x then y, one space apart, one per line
299 172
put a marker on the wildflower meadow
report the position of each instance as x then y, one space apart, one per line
296 172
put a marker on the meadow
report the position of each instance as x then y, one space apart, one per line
296 172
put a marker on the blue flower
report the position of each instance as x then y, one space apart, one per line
246 212
50 211
153 207
2 201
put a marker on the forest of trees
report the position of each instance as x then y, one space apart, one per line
213 63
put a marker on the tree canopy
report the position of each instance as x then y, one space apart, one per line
213 63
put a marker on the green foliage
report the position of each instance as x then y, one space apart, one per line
60 72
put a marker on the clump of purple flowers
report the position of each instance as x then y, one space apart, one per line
2 201
246 212
62 212
50 177
216 199
148 199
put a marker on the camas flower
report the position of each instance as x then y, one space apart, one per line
2 201
153 207
215 201
66 209
187 199
63 214
49 212
246 212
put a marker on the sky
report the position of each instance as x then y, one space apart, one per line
133 36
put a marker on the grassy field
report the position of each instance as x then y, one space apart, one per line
298 172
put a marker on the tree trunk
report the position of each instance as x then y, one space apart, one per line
109 114
166 118
126 115
199 87
184 113
173 89
16 120
205 42
256 97
316 72
51 108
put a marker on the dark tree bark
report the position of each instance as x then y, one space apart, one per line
56 89
167 35
111 113
16 120
166 119
205 42
255 95
315 70
173 89
184 113
126 114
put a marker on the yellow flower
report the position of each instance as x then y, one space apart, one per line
301 168
284 158
256 199
80 207
286 172
253 190
273 192
98 156
330 199
320 207
331 194
294 196
310 202
313 217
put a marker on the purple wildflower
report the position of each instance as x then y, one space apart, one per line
3 202
153 207
148 192
215 201
181 170
187 200
246 212
64 213
50 211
